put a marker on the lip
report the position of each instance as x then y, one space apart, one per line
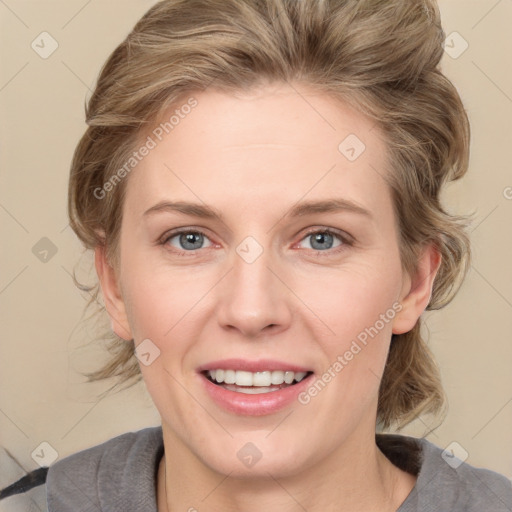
253 366
254 405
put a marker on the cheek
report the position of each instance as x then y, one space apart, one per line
156 307
353 298
156 296
160 307
358 310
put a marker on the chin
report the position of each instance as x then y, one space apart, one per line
246 459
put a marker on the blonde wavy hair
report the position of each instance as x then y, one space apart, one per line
381 57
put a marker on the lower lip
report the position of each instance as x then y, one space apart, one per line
254 405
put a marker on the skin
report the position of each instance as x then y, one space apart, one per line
253 156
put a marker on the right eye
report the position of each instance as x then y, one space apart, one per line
187 240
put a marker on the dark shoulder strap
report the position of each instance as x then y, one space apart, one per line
403 451
24 484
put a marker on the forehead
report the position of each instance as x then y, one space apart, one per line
274 143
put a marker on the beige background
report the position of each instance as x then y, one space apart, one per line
42 395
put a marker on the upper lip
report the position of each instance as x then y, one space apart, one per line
260 365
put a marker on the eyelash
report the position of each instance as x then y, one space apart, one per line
346 241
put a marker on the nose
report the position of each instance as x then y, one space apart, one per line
254 298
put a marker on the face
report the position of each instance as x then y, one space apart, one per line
279 255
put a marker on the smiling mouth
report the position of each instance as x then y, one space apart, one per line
253 383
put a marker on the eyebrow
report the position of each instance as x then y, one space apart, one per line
298 210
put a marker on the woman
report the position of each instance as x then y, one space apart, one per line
277 329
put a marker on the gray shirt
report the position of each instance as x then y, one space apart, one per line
120 476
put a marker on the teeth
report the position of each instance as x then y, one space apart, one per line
242 378
256 379
251 390
229 376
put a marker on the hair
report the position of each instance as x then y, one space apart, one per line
382 58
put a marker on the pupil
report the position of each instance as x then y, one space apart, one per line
188 238
321 237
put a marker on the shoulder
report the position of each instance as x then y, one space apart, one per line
118 474
446 482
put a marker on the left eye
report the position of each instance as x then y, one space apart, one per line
322 240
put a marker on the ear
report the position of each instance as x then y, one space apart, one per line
114 302
417 290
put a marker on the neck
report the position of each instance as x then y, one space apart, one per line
355 478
